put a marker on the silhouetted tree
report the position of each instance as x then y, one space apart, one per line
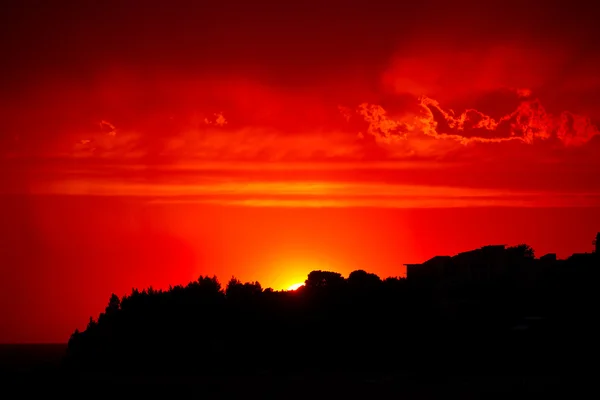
237 289
233 286
114 304
324 279
521 251
210 284
334 323
91 324
361 279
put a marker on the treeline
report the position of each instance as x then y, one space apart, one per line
334 323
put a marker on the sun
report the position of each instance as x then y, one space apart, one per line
295 286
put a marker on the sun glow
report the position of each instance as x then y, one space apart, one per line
295 286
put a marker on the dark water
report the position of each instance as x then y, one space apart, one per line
25 358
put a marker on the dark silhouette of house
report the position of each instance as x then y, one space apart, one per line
430 269
550 257
496 262
483 263
584 260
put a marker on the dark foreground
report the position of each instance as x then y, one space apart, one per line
35 369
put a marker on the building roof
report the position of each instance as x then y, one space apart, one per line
437 259
430 261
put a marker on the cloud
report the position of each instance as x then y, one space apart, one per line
390 203
321 193
459 71
382 127
229 131
162 120
369 132
529 123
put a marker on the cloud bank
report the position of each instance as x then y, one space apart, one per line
502 119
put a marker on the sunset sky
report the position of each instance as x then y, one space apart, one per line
146 145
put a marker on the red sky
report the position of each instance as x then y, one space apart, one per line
145 145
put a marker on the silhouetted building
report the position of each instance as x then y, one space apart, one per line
582 259
433 268
596 242
480 264
550 257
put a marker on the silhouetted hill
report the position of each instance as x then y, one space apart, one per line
494 310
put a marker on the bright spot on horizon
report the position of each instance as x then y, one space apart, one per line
295 286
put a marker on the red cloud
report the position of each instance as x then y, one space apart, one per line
528 123
455 73
166 121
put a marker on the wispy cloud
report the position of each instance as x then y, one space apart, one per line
539 201
372 133
528 123
315 194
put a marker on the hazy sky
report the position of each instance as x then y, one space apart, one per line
145 145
